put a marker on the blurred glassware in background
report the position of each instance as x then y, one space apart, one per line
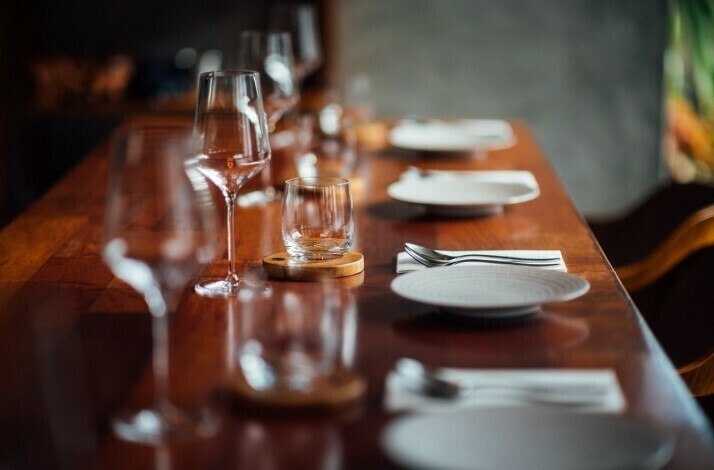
186 58
271 55
211 59
357 99
302 23
326 143
689 87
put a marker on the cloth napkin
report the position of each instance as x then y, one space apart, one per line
406 263
398 397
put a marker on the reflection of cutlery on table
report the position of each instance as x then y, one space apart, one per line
432 258
420 379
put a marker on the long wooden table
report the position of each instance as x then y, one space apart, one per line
75 341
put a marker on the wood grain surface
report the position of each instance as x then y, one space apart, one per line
75 343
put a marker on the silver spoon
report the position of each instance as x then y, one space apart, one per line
420 379
437 257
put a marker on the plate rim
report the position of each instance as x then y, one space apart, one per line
656 459
507 142
532 193
582 290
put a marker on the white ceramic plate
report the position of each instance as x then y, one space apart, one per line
461 197
457 135
529 438
489 291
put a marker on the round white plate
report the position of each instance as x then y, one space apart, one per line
461 196
529 438
497 291
458 135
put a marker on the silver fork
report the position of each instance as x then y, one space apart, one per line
423 258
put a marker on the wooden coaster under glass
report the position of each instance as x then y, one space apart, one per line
341 388
281 266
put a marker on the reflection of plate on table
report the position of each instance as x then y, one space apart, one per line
489 292
461 197
536 336
456 135
532 438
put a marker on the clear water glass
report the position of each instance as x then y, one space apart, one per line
318 218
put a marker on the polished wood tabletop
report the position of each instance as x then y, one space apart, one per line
75 342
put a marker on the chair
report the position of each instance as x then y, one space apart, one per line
664 255
674 288
640 232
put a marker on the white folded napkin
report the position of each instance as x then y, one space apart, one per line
406 263
452 134
485 176
398 397
480 128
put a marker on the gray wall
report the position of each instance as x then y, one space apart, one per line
586 75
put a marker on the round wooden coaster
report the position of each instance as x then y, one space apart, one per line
341 388
281 266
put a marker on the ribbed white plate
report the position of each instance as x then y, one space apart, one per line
489 291
453 135
528 438
461 196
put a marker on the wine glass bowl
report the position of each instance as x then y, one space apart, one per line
301 22
231 127
271 55
159 231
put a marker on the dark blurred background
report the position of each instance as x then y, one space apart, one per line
586 76
70 71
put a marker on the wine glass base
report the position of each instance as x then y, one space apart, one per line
158 426
224 288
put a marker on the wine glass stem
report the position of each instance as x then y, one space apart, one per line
160 301
160 357
230 204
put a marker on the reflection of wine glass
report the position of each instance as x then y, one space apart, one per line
234 136
301 22
159 230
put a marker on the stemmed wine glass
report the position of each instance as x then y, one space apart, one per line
160 228
301 22
271 55
231 125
